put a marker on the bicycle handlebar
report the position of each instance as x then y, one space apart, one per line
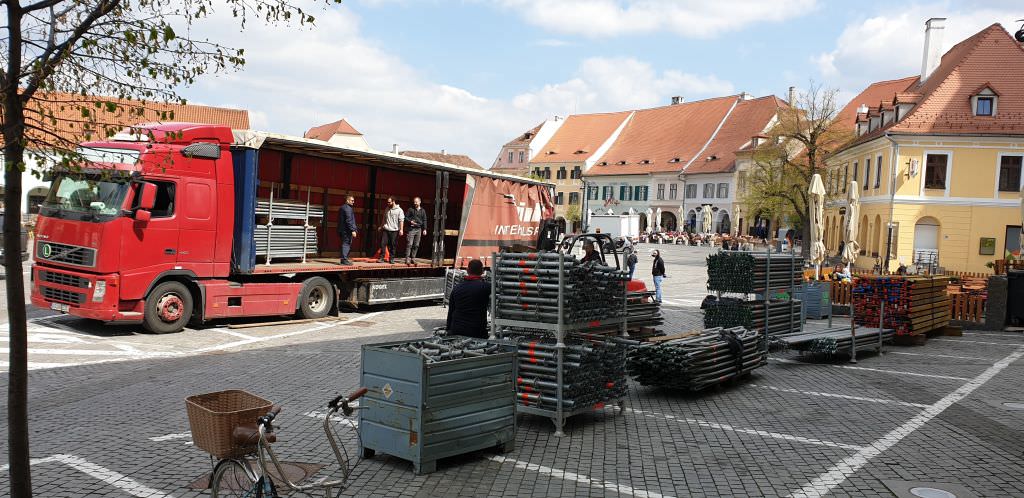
341 402
266 420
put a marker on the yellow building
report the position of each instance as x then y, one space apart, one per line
955 135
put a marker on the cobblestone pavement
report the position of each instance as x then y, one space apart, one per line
932 414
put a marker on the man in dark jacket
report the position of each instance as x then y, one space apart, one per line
346 227
468 303
416 217
658 272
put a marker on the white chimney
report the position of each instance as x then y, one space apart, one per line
863 109
745 96
792 96
932 46
394 148
443 152
677 100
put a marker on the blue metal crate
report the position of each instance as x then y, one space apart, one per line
423 412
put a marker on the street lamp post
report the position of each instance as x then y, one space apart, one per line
585 204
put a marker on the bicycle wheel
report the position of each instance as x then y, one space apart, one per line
232 478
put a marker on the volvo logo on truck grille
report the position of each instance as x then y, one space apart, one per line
68 254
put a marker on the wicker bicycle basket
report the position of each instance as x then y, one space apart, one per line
213 416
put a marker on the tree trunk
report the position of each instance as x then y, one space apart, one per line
17 386
805 247
14 158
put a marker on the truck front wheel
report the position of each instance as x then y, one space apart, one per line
168 308
316 298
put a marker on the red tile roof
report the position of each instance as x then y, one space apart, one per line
325 132
579 137
990 57
750 118
664 139
456 159
525 138
71 128
872 95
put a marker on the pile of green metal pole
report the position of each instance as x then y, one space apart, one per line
782 316
527 288
753 273
593 372
642 310
449 348
831 341
695 363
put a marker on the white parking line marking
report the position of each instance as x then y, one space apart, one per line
582 479
941 355
841 396
755 432
34 365
230 332
321 326
49 338
1004 344
168 437
116 479
841 471
317 414
1006 335
99 352
881 370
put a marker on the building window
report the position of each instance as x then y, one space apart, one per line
606 192
576 173
846 178
574 197
593 193
673 191
625 193
538 173
878 171
560 174
723 190
984 106
640 193
1009 173
856 170
709 190
691 191
661 191
547 173
935 171
560 198
867 173
510 157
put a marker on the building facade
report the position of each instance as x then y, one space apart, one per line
938 159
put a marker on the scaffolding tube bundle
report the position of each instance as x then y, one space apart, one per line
698 362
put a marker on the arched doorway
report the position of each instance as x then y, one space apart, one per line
723 225
876 248
926 240
691 221
668 221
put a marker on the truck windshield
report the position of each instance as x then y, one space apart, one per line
85 197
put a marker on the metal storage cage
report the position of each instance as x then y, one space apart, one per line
423 411
285 240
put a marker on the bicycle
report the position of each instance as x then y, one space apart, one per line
247 476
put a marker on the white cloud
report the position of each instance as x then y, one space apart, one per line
687 18
297 78
553 42
889 46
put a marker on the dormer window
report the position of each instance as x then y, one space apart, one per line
675 160
621 163
603 163
581 151
645 161
985 102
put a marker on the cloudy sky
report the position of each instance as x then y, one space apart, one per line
467 76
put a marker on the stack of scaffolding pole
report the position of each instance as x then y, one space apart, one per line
831 341
753 273
782 317
695 363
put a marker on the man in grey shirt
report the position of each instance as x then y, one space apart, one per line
394 219
417 218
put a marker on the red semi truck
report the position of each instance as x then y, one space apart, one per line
181 223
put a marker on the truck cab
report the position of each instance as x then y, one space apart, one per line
146 208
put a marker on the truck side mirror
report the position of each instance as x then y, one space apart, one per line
147 197
143 216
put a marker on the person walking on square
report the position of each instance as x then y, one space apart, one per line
417 219
391 230
658 272
347 227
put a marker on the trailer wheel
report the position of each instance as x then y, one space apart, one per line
168 308
316 298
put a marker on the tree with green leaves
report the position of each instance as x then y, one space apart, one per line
797 146
56 55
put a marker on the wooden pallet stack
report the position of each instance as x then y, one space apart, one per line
913 305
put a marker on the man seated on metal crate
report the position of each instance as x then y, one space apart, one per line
467 306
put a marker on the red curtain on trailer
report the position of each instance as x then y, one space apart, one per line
502 214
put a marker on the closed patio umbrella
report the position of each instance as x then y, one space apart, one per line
817 214
707 219
852 248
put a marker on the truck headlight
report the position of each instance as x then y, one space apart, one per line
99 290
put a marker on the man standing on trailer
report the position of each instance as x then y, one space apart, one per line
347 227
417 218
468 303
391 230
